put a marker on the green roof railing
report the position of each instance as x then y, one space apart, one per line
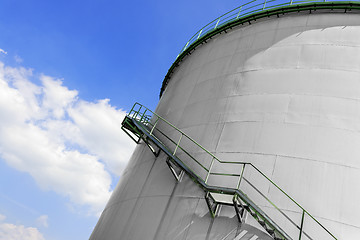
249 12
243 179
249 8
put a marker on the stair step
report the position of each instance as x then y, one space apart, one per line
222 198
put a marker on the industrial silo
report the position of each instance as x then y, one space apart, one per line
256 134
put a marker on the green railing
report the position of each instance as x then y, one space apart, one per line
242 176
250 12
247 9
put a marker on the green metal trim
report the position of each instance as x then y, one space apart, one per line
277 208
250 16
182 149
225 174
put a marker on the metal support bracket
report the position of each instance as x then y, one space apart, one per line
153 150
239 209
135 134
175 169
128 132
212 204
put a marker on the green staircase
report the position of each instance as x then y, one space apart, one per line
185 156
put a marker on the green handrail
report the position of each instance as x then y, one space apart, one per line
249 12
244 10
140 114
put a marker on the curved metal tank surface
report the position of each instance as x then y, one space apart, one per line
281 93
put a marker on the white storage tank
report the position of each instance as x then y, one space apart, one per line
281 92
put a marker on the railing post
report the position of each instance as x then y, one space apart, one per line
177 145
291 2
302 224
152 129
238 13
241 175
143 115
200 33
186 46
264 4
137 113
217 23
211 164
132 109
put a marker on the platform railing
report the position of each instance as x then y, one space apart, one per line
243 176
247 9
250 12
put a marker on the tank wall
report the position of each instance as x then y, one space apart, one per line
283 94
148 203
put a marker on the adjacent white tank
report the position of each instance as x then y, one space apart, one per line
282 93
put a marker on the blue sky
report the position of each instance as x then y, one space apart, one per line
69 72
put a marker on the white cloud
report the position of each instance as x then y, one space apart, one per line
43 221
57 98
66 144
99 126
18 59
2 51
10 231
